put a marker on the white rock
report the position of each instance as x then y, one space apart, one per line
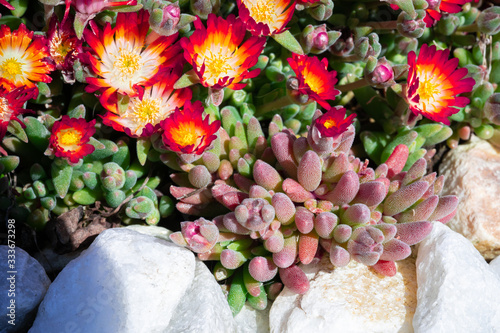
250 320
348 299
472 173
151 230
457 291
495 266
204 307
127 282
22 290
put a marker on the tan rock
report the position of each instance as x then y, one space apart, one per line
472 173
349 299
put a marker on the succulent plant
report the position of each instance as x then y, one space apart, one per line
292 198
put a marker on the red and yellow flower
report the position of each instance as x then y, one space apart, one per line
145 112
187 132
434 83
23 58
218 54
11 106
266 17
314 79
436 7
126 57
333 123
64 46
70 137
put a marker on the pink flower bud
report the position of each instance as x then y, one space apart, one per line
200 235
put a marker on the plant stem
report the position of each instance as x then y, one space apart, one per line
468 28
386 25
353 85
275 105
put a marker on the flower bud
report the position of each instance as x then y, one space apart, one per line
488 21
492 109
409 27
323 11
200 235
379 72
317 39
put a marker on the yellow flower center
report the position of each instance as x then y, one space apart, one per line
5 111
69 137
147 111
11 68
127 63
58 50
330 123
262 12
185 134
427 90
216 65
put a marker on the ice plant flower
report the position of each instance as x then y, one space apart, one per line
187 132
333 123
145 112
436 7
218 54
266 17
434 83
88 9
11 106
23 58
314 79
125 57
70 137
6 4
64 46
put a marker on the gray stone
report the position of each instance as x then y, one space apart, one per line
23 286
131 282
472 173
457 290
348 299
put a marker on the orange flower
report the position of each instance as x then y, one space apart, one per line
145 112
22 58
70 137
217 54
332 123
434 83
266 17
126 58
11 106
315 80
187 132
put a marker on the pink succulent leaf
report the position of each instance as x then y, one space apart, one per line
342 233
232 259
295 191
421 212
232 224
304 220
282 146
339 256
262 269
413 232
387 268
404 198
309 171
446 206
371 193
389 230
284 207
294 279
324 224
266 176
416 172
365 245
275 243
397 160
356 214
232 199
308 246
337 168
395 250
288 254
345 190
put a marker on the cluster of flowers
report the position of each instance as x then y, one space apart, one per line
135 73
